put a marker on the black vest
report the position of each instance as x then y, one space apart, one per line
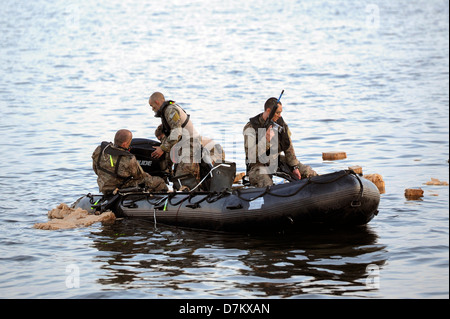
166 127
283 137
107 149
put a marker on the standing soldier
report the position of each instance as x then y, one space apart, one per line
263 147
117 168
165 162
182 141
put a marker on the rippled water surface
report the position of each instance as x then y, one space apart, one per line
368 79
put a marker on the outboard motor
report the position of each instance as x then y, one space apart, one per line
143 148
215 178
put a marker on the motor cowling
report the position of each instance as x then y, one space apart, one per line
143 148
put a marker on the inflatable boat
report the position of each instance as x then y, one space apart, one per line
338 199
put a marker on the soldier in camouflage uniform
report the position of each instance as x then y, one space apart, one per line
117 168
165 162
214 150
181 140
263 147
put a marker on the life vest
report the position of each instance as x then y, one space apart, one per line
283 136
166 127
106 148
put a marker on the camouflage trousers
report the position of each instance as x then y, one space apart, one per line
259 175
187 166
153 183
187 174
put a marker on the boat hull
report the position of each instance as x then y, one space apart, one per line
332 200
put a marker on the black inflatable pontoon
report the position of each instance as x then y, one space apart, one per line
337 199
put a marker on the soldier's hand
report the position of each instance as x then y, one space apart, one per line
158 152
296 172
269 134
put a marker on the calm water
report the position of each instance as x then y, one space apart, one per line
370 79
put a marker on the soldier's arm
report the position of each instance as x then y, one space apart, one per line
138 171
94 159
250 144
174 120
129 166
291 158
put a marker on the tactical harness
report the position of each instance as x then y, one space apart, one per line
107 149
283 141
166 127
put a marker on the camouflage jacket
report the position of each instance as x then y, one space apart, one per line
260 152
115 168
176 125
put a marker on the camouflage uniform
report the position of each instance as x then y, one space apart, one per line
263 158
214 150
114 165
165 163
182 141
212 153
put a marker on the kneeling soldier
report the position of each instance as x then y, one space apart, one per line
117 168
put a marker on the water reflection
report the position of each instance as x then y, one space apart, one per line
170 261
